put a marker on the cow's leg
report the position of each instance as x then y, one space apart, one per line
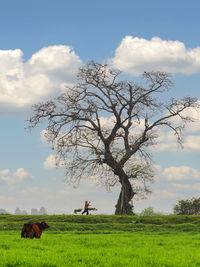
31 234
38 235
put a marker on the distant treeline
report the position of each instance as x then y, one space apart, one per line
34 211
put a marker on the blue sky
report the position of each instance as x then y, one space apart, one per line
42 45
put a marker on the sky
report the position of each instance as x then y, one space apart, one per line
42 45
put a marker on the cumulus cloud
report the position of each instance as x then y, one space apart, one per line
191 144
192 112
44 74
192 126
14 178
167 141
177 173
4 172
52 162
162 194
187 187
136 55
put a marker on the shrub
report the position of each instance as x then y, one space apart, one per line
148 212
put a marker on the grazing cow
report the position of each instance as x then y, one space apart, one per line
32 230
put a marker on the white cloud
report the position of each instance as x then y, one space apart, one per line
187 187
167 141
177 173
136 55
43 137
4 172
52 162
14 178
162 194
194 114
44 74
192 143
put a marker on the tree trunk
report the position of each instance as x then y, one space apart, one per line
123 205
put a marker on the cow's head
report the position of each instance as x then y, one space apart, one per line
44 226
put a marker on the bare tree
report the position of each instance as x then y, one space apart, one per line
104 127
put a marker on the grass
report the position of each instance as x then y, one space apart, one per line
103 222
111 249
102 241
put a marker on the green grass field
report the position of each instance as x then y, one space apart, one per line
102 241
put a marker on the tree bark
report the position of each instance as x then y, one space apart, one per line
123 205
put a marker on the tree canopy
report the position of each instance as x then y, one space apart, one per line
188 207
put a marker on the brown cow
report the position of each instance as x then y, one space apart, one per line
32 229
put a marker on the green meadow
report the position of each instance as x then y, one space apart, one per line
102 241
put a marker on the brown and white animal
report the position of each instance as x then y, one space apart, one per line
31 229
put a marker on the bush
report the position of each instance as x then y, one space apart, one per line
148 212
